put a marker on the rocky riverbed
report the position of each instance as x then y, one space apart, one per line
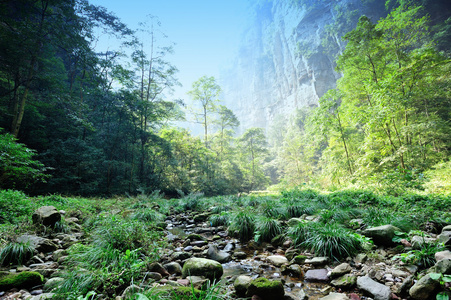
276 270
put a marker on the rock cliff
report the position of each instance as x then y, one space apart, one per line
286 60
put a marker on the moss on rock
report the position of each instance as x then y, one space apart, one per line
178 292
21 280
266 289
202 267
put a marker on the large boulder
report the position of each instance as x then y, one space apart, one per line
46 215
424 288
220 256
266 289
382 235
375 289
22 280
208 268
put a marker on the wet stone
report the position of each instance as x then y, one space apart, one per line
317 275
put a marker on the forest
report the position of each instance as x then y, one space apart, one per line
104 194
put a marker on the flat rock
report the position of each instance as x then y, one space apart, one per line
317 275
277 260
335 296
340 270
377 290
317 261
346 281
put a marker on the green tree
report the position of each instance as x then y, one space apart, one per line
205 92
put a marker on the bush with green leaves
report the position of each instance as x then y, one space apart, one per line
221 219
329 239
424 257
16 253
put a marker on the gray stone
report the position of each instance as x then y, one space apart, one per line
419 241
447 228
443 255
340 270
46 215
404 288
445 238
320 275
220 256
277 260
173 268
208 268
295 221
376 290
180 255
293 270
346 281
443 266
129 291
53 283
241 284
155 276
240 255
43 296
335 296
317 261
381 235
296 295
424 288
360 258
39 243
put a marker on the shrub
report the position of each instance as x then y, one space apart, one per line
148 215
15 253
219 220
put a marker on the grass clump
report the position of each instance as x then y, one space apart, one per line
329 239
267 228
16 253
15 206
242 225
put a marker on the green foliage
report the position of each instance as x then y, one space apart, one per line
330 240
424 257
267 228
14 206
18 166
15 253
22 280
242 225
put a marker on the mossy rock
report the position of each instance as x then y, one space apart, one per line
22 280
207 268
195 237
178 292
299 259
266 289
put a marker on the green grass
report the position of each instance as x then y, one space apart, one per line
242 225
267 228
15 253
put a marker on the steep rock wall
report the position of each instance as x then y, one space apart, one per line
283 63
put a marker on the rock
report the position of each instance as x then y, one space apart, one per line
335 296
57 254
346 281
177 292
296 295
317 261
208 268
291 253
240 255
376 290
241 284
360 258
317 275
419 241
154 276
443 266
180 255
278 240
198 282
39 243
173 268
46 215
293 270
266 289
53 283
20 280
157 267
198 243
43 296
219 256
277 260
295 221
195 237
404 288
340 270
447 228
299 259
445 238
382 235
229 247
201 217
129 291
424 288
443 255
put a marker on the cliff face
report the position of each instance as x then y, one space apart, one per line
287 57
